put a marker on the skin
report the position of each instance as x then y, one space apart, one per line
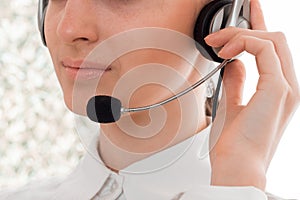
74 28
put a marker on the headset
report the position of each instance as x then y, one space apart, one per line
215 16
42 8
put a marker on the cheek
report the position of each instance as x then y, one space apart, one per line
54 49
180 16
51 37
50 27
52 40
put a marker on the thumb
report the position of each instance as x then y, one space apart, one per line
233 83
232 95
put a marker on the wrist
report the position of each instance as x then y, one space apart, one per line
229 171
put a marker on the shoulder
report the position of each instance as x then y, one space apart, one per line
42 190
273 197
89 173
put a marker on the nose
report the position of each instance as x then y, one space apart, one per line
78 23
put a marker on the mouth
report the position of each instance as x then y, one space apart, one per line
83 70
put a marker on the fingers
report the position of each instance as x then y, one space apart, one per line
264 51
278 39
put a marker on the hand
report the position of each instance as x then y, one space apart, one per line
248 135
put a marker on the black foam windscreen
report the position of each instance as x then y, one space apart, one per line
104 109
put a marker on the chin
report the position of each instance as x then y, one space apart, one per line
78 108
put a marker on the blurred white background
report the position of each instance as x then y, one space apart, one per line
37 134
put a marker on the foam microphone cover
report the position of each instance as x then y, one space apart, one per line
104 109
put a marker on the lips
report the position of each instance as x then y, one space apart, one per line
83 70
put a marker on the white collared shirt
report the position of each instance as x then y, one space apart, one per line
181 172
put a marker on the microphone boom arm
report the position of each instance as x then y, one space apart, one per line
205 78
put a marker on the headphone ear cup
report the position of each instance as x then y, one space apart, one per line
203 27
42 7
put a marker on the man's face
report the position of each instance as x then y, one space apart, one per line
74 28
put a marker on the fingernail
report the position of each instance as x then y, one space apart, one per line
209 36
220 53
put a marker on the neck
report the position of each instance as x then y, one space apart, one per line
139 135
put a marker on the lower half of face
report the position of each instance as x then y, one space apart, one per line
86 43
138 78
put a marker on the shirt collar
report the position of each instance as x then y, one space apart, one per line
90 173
163 174
171 171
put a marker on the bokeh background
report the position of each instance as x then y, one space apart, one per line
37 134
38 137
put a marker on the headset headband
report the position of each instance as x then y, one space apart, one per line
42 7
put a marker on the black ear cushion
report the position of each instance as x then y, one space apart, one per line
42 7
202 27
